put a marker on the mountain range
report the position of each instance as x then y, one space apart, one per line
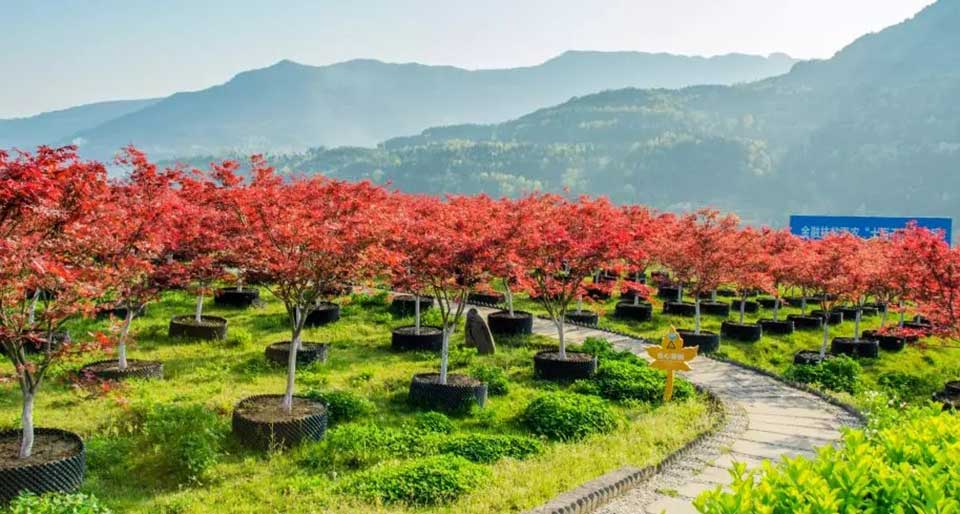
291 106
874 130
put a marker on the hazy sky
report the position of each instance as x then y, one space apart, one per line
60 53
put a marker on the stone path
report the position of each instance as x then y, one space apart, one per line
767 420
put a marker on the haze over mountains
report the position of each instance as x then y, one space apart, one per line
873 130
290 106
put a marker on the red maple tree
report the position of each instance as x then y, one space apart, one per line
779 248
46 202
642 228
308 237
833 274
935 279
567 242
750 265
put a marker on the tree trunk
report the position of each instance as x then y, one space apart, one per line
563 344
883 318
856 326
826 338
696 315
122 341
445 354
743 308
198 312
903 314
506 285
679 292
636 298
803 304
26 422
33 308
239 283
416 312
287 404
713 295
776 309
580 303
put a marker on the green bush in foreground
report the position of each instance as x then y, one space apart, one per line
176 444
485 449
56 503
567 416
427 481
436 422
840 373
623 380
356 446
904 464
342 406
495 377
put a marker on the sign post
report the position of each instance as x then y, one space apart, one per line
671 356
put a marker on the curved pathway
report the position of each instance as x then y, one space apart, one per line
767 420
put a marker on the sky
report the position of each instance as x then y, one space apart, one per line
64 53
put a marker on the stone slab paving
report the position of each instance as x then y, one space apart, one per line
767 420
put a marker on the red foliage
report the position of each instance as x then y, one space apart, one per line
695 249
934 273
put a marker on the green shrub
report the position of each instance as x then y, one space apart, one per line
238 338
484 448
840 373
433 421
428 481
356 446
180 441
495 377
908 466
342 406
622 380
567 416
605 351
56 503
369 300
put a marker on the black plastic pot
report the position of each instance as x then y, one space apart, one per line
501 323
406 339
708 342
668 292
779 327
868 348
890 342
210 328
715 308
548 365
583 317
923 328
323 314
640 312
869 310
749 306
835 318
679 308
279 353
629 294
808 357
457 395
805 322
61 475
254 430
726 293
492 298
769 303
952 387
110 369
406 304
849 313
880 307
231 297
746 332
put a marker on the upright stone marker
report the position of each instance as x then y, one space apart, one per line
477 334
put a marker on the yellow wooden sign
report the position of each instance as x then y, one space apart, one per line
671 356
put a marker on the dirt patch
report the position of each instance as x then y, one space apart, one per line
46 448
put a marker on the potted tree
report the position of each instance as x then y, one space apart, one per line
749 271
203 248
568 241
456 251
800 268
510 227
857 270
46 227
408 273
888 278
137 214
695 252
778 249
641 228
305 236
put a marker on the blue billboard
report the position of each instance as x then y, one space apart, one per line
817 227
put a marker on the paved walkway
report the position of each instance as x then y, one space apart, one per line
768 420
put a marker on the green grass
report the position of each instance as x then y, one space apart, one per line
218 374
924 368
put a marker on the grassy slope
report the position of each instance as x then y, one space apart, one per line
932 366
218 374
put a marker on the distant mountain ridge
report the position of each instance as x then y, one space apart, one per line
57 126
873 130
291 106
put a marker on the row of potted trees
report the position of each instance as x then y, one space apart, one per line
72 240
